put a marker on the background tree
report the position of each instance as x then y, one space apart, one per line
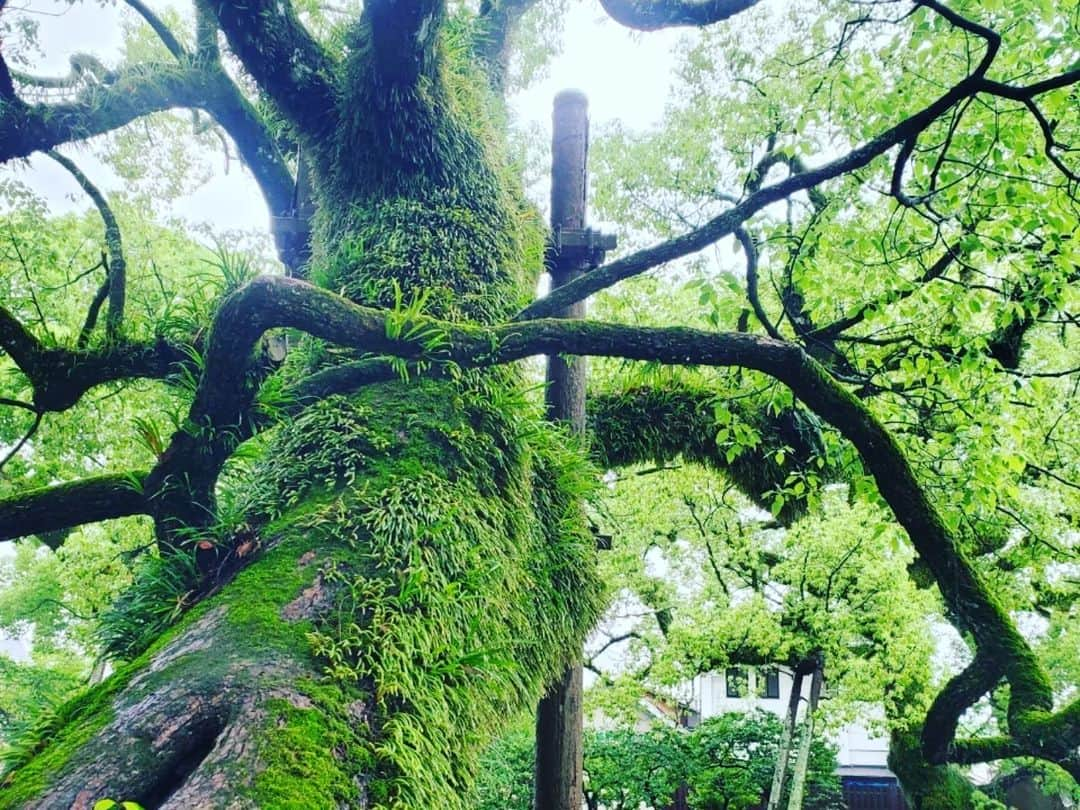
403 562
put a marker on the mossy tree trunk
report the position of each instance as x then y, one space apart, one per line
423 567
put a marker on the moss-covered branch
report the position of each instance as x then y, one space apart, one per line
225 392
165 34
660 424
958 695
60 376
98 108
62 506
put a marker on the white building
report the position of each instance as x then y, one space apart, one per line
862 755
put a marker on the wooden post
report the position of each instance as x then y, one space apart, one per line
558 775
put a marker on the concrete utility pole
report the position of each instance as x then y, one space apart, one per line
573 250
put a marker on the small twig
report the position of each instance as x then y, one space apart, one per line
115 266
19 446
16 403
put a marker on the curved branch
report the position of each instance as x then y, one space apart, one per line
1052 737
62 506
160 28
60 376
750 249
115 266
257 147
726 223
652 15
958 695
288 64
85 68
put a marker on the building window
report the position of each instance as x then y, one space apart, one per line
738 682
769 683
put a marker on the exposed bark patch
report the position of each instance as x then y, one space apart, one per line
201 741
297 699
311 603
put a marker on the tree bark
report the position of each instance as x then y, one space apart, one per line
783 753
802 763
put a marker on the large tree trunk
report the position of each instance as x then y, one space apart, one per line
423 567
388 629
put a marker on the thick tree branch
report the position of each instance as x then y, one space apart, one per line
28 128
725 224
224 396
652 15
958 695
62 506
115 265
402 37
288 64
60 376
659 424
258 149
495 23
138 91
1052 737
17 342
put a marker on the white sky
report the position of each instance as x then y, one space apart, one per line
625 75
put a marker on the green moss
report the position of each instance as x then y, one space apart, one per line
926 786
763 452
313 755
462 568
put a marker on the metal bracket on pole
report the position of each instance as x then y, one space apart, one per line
292 229
582 247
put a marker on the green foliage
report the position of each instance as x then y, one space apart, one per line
726 762
706 581
163 588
